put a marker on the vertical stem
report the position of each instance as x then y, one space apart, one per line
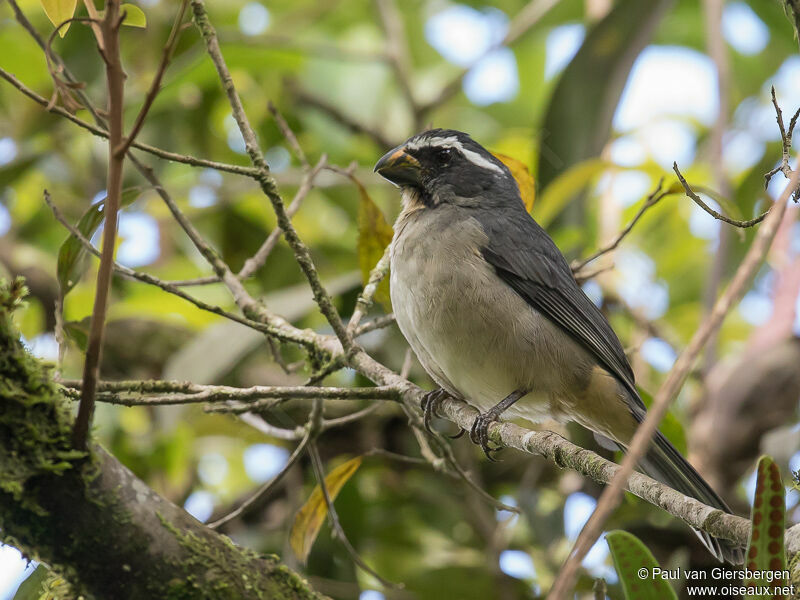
115 77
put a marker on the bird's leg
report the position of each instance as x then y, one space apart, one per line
479 434
430 404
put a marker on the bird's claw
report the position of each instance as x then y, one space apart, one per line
479 433
430 404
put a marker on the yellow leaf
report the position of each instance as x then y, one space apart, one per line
308 520
565 187
134 16
59 11
527 187
374 234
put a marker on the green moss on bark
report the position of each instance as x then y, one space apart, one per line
34 420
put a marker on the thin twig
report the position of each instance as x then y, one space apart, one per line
267 488
611 496
364 300
155 86
309 99
281 334
134 393
736 223
652 199
351 418
336 526
115 80
100 132
786 143
398 53
267 183
288 134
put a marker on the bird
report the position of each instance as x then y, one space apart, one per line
491 309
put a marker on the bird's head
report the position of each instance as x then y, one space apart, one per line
447 166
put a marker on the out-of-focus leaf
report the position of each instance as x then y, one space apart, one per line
33 586
578 119
565 187
78 332
374 234
72 255
521 173
631 558
671 427
308 520
59 11
221 347
134 16
765 550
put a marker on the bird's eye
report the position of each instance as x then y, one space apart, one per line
443 155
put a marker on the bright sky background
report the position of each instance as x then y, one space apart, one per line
655 118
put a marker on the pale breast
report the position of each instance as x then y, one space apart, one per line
475 336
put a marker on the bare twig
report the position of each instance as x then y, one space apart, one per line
786 143
115 79
398 54
172 156
155 86
287 132
365 298
697 200
156 392
281 334
267 488
653 199
641 440
336 526
305 97
267 183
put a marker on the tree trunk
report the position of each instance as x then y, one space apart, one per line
90 518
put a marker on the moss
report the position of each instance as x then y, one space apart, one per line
225 573
34 420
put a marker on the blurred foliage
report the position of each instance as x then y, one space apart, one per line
410 523
631 556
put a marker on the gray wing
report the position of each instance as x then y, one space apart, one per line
525 257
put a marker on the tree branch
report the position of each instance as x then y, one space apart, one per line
267 183
115 79
611 496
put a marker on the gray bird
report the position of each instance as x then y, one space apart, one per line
491 309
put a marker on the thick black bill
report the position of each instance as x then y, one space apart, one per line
399 167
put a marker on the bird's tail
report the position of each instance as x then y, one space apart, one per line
664 463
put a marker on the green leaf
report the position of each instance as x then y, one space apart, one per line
33 586
631 560
308 520
577 124
765 550
59 11
134 16
566 187
374 234
72 256
670 426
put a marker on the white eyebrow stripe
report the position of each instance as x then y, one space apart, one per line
452 142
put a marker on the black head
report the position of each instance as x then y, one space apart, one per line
444 165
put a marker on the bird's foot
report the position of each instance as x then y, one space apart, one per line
479 433
430 405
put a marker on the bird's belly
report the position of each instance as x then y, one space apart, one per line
475 336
